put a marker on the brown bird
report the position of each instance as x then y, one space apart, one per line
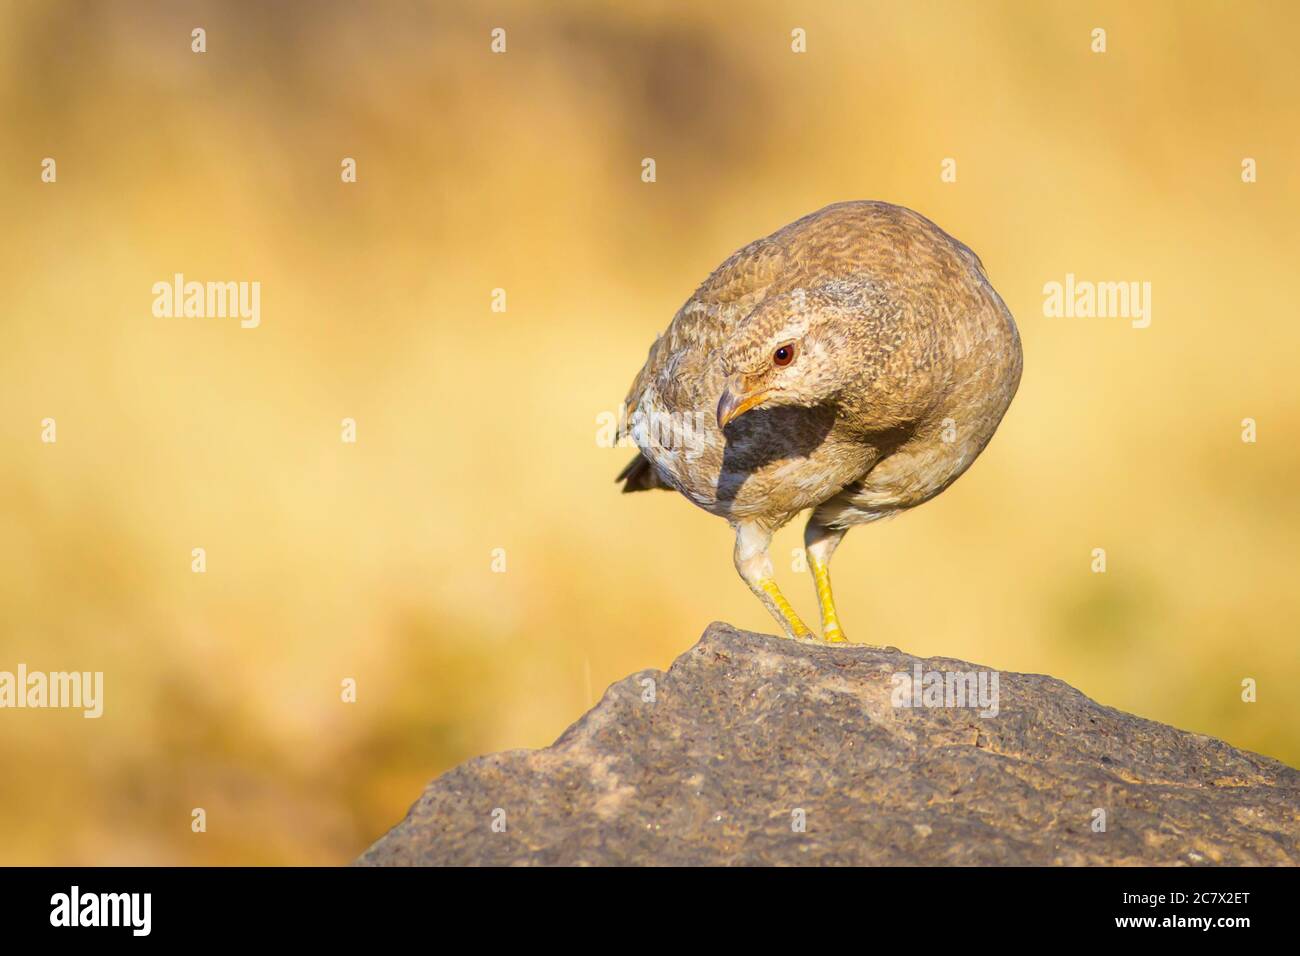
854 363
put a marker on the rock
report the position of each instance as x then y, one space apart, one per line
747 736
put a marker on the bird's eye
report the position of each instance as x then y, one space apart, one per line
783 356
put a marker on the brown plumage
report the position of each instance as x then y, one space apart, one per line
854 363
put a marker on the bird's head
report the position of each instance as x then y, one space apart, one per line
781 354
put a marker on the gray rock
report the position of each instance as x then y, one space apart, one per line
748 733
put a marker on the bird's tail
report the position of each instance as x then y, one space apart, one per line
639 475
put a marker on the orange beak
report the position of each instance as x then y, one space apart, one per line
735 403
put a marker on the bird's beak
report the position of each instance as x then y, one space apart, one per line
734 402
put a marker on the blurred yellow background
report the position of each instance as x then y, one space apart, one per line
478 430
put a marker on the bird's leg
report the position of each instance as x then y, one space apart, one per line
755 568
819 544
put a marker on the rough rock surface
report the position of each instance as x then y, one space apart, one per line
745 730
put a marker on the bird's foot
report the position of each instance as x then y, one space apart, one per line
833 635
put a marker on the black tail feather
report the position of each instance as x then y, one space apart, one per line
639 475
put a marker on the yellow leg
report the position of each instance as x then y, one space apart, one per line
831 630
820 543
755 568
782 610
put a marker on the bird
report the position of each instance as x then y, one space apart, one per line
852 364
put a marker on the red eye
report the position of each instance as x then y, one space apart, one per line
783 356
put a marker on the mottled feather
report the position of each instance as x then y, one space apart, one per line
910 360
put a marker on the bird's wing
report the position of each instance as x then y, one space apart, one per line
703 323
